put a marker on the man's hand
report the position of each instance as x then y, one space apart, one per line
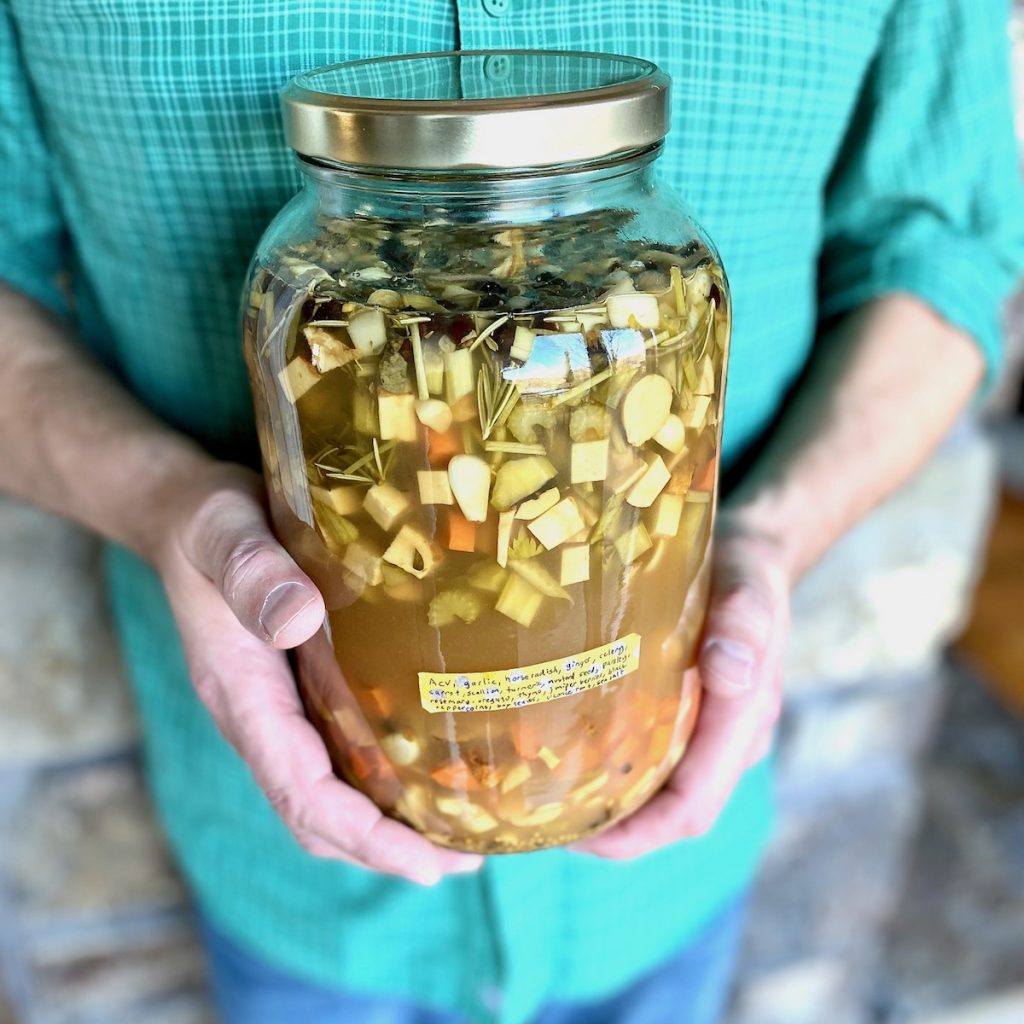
880 394
239 601
740 669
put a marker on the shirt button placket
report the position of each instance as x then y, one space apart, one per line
495 8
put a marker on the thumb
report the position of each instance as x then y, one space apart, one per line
747 609
229 541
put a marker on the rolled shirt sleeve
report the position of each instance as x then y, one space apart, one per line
926 195
33 246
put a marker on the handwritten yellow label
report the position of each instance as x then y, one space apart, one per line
532 684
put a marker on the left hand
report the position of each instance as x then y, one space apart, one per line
740 669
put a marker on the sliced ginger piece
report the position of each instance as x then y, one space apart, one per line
537 506
645 407
672 434
519 478
470 479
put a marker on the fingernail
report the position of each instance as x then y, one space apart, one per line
426 874
283 604
730 662
468 865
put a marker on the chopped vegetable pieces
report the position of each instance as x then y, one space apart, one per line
470 479
558 524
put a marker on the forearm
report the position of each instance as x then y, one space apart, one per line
877 399
75 442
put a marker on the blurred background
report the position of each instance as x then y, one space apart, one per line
893 892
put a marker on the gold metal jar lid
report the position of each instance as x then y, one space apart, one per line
483 109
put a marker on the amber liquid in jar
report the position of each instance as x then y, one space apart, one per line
495 448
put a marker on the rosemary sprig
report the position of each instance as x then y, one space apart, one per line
495 398
488 331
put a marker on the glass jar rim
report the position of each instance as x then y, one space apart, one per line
476 109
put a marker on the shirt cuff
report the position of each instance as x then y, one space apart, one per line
959 278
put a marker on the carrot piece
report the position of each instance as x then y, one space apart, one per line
361 762
382 701
441 447
527 737
704 478
461 532
455 774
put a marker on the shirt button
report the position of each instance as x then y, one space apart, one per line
497 67
495 8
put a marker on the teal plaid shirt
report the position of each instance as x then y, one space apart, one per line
835 149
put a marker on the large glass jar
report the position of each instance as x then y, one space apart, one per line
488 355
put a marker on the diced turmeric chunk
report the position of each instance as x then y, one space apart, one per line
558 524
385 505
434 487
364 560
589 461
644 492
397 415
575 566
668 510
519 601
633 543
297 378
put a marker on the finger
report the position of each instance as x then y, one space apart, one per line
745 620
230 543
698 788
259 712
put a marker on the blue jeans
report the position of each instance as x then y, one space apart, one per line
691 988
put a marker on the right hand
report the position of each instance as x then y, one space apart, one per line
240 602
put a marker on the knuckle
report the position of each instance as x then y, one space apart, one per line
248 561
